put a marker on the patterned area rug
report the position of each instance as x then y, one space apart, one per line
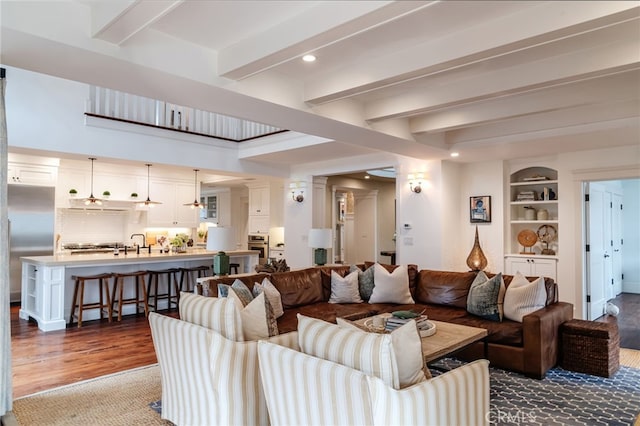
562 398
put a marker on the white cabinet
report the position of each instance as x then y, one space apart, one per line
43 295
258 224
259 200
172 211
531 266
27 174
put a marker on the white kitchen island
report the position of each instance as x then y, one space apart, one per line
47 287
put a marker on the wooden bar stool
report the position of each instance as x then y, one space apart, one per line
79 303
233 268
187 273
172 296
118 292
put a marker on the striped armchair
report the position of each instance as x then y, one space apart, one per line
208 379
302 389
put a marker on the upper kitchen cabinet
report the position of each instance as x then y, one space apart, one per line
265 207
172 211
31 174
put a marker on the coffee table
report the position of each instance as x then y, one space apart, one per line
449 338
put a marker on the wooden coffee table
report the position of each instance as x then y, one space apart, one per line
449 338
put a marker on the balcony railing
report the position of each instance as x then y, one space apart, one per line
116 105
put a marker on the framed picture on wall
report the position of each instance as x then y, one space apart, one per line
480 209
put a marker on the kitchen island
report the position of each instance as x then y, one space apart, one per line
47 287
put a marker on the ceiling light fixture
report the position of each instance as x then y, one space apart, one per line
309 58
148 201
455 154
92 199
195 203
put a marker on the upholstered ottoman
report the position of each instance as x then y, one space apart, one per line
590 347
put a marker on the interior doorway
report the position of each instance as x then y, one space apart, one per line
612 232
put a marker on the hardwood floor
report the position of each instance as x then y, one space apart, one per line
628 320
45 360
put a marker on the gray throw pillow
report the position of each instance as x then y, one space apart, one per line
483 297
365 281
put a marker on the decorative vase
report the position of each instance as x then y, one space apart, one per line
476 260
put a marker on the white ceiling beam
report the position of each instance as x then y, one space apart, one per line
315 28
571 67
127 18
590 92
544 23
558 122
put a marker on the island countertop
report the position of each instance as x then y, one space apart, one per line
98 259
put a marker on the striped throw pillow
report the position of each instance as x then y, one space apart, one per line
220 315
367 352
523 297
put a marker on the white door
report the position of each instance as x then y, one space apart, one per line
596 280
616 231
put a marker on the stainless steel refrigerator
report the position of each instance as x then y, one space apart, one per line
31 226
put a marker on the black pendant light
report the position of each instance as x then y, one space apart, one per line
148 201
92 200
195 203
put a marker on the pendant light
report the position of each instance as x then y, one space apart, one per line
92 199
195 203
148 201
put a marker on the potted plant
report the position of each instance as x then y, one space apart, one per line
73 192
134 195
106 194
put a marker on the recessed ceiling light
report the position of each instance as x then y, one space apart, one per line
455 154
308 58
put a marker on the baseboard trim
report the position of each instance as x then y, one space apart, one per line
631 287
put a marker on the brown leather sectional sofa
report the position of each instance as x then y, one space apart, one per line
530 347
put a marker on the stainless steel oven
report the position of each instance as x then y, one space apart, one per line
259 243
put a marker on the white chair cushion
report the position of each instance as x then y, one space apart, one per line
457 397
407 346
304 390
221 315
367 352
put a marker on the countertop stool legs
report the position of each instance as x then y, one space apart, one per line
118 293
78 303
190 282
173 290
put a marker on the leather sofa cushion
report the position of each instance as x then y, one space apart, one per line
298 288
444 287
325 311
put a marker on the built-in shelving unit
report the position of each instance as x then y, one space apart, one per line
533 206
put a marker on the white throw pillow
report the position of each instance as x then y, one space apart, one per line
391 287
407 345
523 297
345 289
272 294
257 322
367 352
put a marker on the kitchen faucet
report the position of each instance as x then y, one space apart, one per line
144 239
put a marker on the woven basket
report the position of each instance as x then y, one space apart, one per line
590 347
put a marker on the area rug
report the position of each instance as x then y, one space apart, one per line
117 399
563 397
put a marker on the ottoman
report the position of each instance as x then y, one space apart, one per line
590 347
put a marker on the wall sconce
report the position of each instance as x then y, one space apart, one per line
297 191
415 182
